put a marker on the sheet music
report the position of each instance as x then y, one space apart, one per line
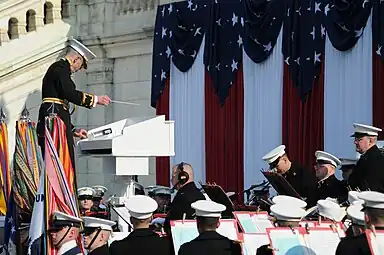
285 242
187 231
337 225
376 243
322 241
253 241
254 223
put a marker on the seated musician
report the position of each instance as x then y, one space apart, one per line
356 217
303 180
328 184
346 168
285 216
96 234
373 208
98 201
330 211
64 233
209 241
182 180
142 240
162 195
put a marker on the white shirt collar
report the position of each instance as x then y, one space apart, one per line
67 246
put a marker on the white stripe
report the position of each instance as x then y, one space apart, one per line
263 98
186 108
347 93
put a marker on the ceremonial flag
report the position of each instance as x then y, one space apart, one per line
4 165
38 227
10 228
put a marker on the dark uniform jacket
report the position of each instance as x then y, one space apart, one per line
57 84
264 250
333 188
369 171
181 204
69 248
355 245
103 250
209 243
304 181
141 242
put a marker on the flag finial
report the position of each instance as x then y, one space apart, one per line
25 113
2 115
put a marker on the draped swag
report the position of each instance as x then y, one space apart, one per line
230 25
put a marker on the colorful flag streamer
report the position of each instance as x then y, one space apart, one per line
5 174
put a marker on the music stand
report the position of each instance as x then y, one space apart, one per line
280 184
217 194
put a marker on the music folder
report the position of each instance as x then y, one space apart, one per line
217 194
280 184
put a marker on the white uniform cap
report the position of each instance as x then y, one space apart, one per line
141 207
162 190
80 48
86 191
361 129
290 201
327 157
92 222
208 208
60 219
287 213
99 187
356 214
330 210
372 199
353 197
274 154
348 161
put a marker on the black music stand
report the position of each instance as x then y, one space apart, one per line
281 185
217 194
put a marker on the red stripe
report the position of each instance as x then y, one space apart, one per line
162 163
224 132
303 121
377 90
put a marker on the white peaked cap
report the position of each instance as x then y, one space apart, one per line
287 213
348 161
353 196
141 207
208 208
80 48
100 187
162 190
60 216
85 191
372 199
328 157
92 222
365 129
289 201
330 210
274 154
356 214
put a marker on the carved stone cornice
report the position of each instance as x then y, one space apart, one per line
100 72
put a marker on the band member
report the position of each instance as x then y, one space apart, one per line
347 166
328 184
142 240
374 219
301 179
64 232
58 90
182 180
85 197
329 210
284 216
96 235
368 173
162 196
209 241
98 202
356 216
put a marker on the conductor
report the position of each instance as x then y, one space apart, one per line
58 90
